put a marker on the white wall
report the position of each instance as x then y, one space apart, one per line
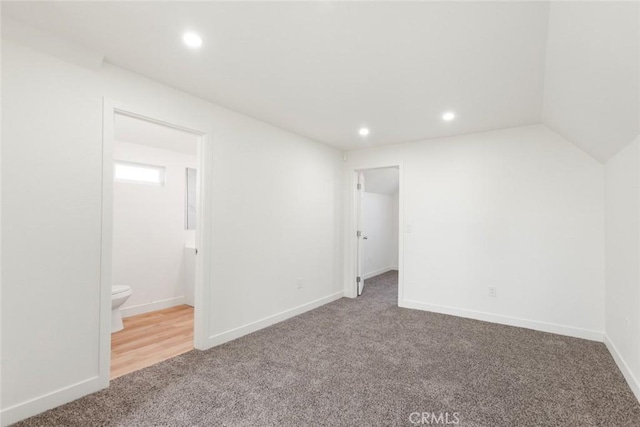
149 233
622 201
270 187
518 209
380 225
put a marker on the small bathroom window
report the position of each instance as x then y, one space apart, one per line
190 200
139 173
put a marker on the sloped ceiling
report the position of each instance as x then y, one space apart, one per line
324 69
592 76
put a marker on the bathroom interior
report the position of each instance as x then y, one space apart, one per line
154 236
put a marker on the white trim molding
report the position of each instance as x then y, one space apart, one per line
270 320
152 306
506 320
633 382
350 224
50 400
379 271
204 238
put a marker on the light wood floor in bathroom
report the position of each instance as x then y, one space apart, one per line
150 338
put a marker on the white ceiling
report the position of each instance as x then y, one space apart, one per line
381 180
592 81
324 69
136 131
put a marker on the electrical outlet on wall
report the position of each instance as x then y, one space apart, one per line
493 292
300 282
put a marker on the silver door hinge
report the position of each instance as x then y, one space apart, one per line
358 233
358 279
359 186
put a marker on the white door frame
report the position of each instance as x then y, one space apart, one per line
203 232
351 229
360 237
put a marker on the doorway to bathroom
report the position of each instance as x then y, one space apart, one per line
153 169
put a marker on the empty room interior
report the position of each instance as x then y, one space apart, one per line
320 213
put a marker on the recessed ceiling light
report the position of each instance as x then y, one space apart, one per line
363 131
192 40
448 116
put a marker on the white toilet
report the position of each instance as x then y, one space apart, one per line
119 294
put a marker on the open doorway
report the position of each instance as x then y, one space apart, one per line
154 222
378 222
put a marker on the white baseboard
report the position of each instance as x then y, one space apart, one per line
379 271
70 393
152 306
50 400
624 368
224 337
507 320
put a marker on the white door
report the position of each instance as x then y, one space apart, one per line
360 235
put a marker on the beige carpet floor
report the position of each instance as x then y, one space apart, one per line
366 362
